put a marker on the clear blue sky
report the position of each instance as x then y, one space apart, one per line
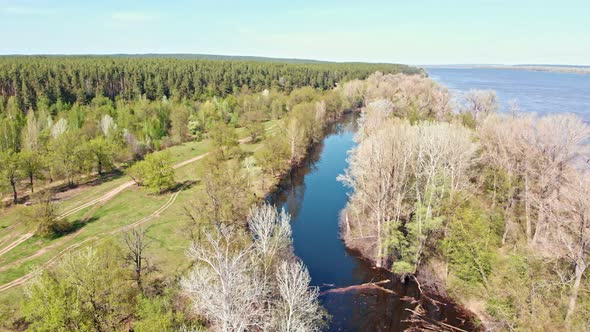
414 32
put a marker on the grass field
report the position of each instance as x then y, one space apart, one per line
112 218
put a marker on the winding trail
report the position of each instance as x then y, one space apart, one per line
30 275
20 240
104 198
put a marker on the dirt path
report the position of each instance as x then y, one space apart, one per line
103 198
114 192
28 276
20 240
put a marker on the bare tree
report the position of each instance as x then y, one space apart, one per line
298 308
413 96
479 103
222 285
378 174
374 116
107 124
253 287
400 174
560 140
569 229
535 152
271 234
136 243
353 91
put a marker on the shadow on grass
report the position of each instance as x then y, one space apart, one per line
180 186
94 181
79 223
72 227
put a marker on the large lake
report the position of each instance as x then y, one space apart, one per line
535 91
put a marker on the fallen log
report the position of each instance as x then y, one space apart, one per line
369 285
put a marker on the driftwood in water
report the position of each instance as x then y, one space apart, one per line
424 323
369 285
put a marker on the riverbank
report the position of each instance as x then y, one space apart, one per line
358 296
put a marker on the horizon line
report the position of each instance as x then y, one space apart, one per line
172 54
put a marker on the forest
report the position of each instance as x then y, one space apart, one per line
484 207
43 81
73 125
492 206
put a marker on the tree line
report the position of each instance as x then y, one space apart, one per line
492 206
62 118
48 80
83 139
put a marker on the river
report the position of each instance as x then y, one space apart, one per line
314 199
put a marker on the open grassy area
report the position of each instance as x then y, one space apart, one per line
109 219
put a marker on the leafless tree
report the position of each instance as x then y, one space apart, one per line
412 95
271 234
230 289
353 91
60 127
479 103
535 152
297 309
379 170
560 140
107 124
222 286
569 229
374 116
135 255
399 168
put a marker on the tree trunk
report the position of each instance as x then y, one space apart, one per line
31 182
14 194
539 225
527 208
580 269
379 241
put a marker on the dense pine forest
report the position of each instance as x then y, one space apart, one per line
48 80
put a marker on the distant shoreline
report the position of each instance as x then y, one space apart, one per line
545 68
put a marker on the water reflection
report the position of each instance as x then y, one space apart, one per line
314 199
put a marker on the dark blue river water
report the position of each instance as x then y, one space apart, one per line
314 199
535 91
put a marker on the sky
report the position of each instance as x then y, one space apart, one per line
397 31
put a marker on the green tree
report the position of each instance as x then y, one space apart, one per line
103 152
224 138
32 165
224 198
179 119
87 291
11 171
45 216
472 237
154 315
68 156
273 156
155 172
